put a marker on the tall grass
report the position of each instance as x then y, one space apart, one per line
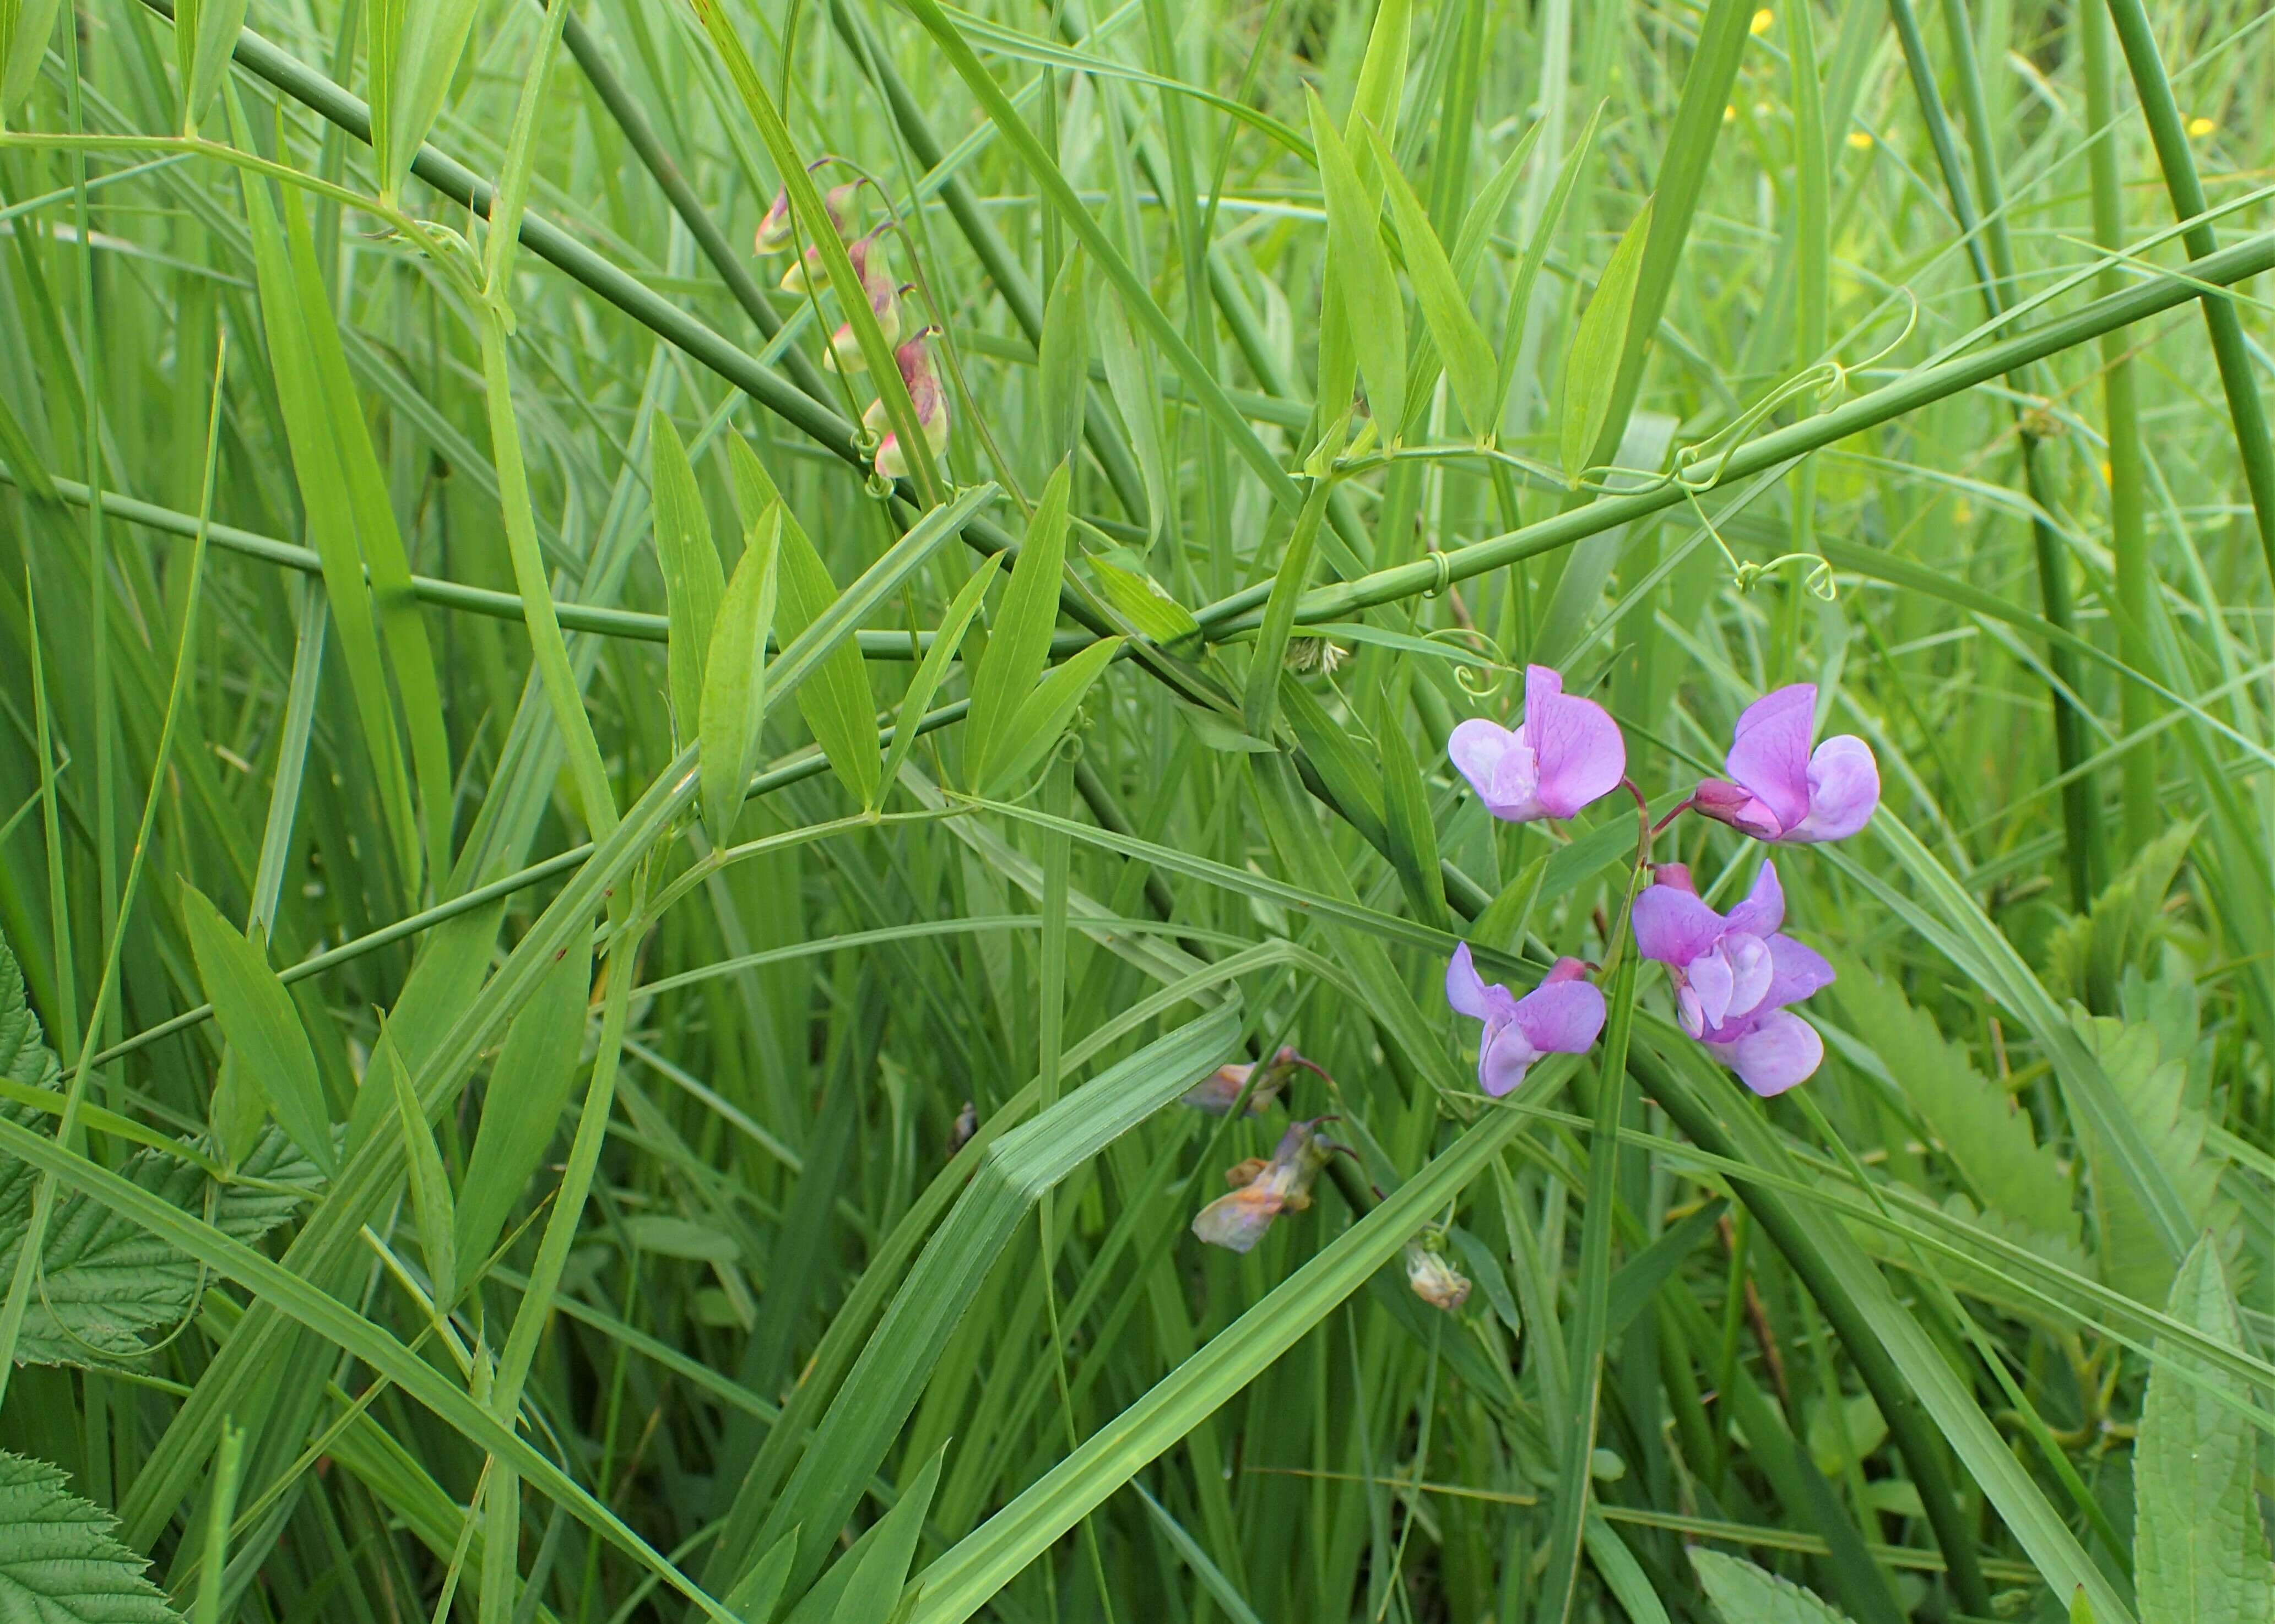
606 989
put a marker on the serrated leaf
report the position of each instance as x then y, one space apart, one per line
2087 958
257 1016
935 663
1360 275
1463 347
1593 364
693 581
1979 1127
734 708
2200 1554
522 1109
836 700
1745 1594
106 1283
1019 644
1046 713
2153 1090
25 1056
61 1561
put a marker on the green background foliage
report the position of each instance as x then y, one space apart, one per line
596 995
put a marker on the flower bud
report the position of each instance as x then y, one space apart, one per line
1435 1281
1283 1185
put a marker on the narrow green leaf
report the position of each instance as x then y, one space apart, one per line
1019 643
755 1595
429 37
837 702
204 34
1536 253
25 26
1136 396
256 1015
430 1187
1406 819
1366 285
1591 366
693 579
1046 714
1064 362
946 640
1382 70
734 707
1268 661
522 1110
1462 344
876 1589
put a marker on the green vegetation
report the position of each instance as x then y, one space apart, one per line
705 704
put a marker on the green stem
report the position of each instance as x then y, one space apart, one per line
2129 530
2229 347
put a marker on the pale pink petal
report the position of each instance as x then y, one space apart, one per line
1581 756
1796 971
1561 1018
1780 1052
1770 755
1749 960
1499 767
1504 1058
1566 968
1673 926
1238 1221
1844 786
1763 909
1710 979
1687 1010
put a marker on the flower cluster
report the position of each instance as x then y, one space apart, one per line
912 354
1736 975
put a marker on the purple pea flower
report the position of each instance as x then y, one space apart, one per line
1560 1016
1784 792
1566 752
1733 976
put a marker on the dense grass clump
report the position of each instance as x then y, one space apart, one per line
838 812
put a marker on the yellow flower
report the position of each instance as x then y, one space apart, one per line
1764 21
1728 113
2201 127
1861 141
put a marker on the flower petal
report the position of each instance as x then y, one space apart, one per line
1781 1051
1581 756
1844 786
1500 766
1504 1058
1751 971
1711 979
1561 1018
1465 989
1739 807
1763 909
1796 971
1770 755
1238 1221
1673 925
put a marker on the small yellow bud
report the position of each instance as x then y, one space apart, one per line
2199 126
1764 21
2107 476
1861 141
1728 113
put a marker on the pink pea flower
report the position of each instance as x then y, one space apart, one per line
884 295
1783 792
925 393
1566 752
1264 1190
1560 1016
774 233
1216 1092
1733 976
